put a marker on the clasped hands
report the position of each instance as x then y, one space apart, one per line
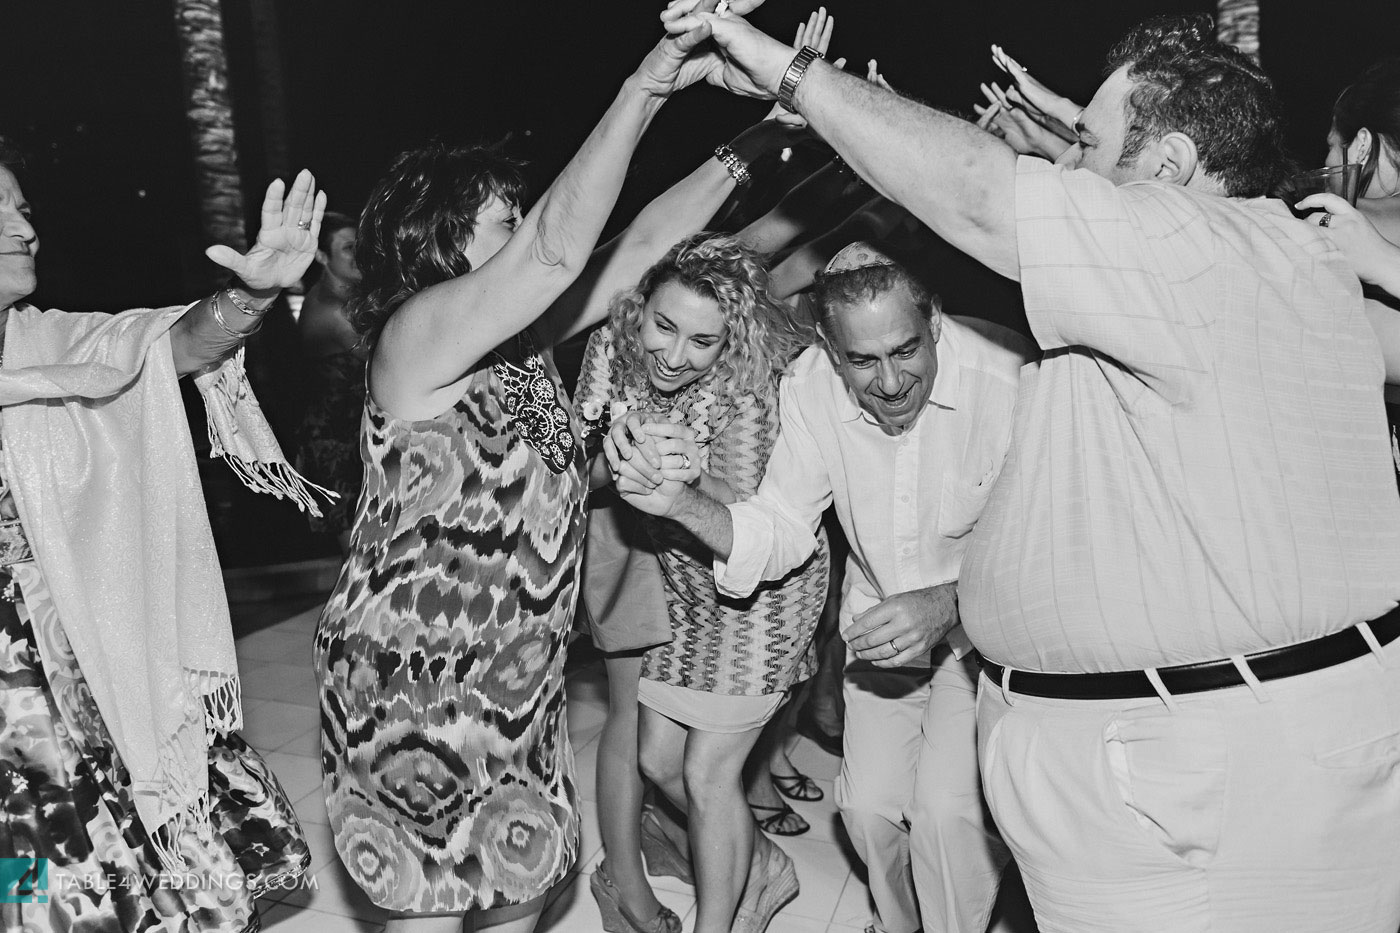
652 460
903 629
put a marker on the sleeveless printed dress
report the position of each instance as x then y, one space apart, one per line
447 768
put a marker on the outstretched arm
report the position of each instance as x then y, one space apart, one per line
434 341
957 179
680 211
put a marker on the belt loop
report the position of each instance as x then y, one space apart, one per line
1372 642
1156 680
1247 672
1006 686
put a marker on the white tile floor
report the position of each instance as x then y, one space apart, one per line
281 722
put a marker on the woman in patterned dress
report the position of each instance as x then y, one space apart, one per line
118 767
697 348
330 429
448 774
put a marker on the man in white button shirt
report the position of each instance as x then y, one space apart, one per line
901 421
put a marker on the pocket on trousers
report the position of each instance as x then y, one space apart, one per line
1380 755
1170 771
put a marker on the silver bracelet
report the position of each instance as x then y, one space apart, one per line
242 305
738 168
223 324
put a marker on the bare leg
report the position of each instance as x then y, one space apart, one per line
722 829
662 755
620 788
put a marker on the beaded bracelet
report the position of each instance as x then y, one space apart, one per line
738 168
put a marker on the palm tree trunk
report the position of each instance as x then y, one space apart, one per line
1237 24
209 110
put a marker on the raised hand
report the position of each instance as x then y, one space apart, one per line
679 60
1005 118
751 63
1056 113
286 241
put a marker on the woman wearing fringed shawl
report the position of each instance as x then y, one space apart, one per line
118 682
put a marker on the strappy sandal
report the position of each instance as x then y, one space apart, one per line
774 825
797 786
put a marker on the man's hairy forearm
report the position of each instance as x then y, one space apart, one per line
707 519
953 176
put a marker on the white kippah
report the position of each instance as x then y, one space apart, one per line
857 255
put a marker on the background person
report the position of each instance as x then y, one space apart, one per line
329 438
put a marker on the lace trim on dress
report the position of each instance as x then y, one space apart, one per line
532 400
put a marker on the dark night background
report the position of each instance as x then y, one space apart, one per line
93 95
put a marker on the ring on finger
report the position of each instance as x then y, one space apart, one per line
1326 220
685 461
304 224
893 647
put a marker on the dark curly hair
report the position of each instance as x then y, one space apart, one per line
1185 81
419 219
762 338
1373 102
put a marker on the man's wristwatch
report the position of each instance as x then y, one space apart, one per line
796 71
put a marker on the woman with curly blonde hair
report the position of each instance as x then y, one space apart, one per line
693 353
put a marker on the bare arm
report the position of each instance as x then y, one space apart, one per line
680 211
438 336
818 201
957 179
675 214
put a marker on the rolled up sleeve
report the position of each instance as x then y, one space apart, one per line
775 531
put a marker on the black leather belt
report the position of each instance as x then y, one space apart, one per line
1314 655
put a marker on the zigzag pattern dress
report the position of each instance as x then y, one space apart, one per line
448 774
754 646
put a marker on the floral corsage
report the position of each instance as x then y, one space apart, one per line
598 416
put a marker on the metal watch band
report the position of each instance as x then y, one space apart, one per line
796 71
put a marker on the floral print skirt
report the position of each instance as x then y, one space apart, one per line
67 798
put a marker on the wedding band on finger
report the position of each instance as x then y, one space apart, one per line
1326 220
304 224
685 461
894 647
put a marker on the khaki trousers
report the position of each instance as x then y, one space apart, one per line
911 798
1225 811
